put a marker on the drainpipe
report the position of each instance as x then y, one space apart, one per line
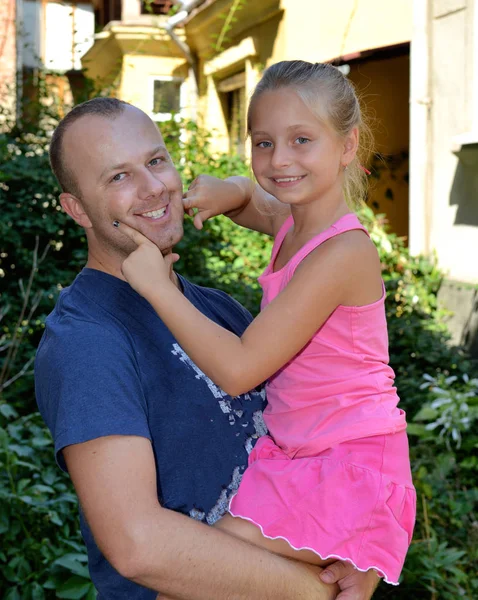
185 7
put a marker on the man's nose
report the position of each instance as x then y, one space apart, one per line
150 185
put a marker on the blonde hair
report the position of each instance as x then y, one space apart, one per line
332 98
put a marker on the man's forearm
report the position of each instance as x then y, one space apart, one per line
195 562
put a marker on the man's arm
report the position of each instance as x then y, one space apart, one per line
115 479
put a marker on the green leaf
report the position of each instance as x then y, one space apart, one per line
37 592
8 411
426 414
73 589
12 594
74 564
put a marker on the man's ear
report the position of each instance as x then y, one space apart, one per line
74 208
350 146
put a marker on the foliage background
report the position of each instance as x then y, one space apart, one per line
41 250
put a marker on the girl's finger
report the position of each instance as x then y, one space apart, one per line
187 202
171 258
197 221
193 183
133 234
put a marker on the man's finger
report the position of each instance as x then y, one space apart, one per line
133 234
335 571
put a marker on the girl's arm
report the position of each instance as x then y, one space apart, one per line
338 274
239 198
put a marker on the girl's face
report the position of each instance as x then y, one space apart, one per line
296 157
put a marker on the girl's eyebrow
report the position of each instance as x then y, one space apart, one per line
290 128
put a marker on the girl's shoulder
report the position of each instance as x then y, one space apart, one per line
352 260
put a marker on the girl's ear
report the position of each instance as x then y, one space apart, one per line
351 146
74 208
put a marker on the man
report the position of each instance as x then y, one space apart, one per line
138 427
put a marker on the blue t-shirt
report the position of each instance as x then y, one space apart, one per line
107 365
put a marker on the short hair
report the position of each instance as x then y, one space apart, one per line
101 106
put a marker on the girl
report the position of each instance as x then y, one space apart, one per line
332 480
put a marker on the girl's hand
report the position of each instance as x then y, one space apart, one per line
211 197
145 269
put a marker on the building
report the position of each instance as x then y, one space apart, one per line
39 37
414 62
444 152
8 55
204 62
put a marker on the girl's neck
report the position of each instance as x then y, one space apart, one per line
317 216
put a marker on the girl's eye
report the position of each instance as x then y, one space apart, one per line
302 140
118 177
264 145
156 161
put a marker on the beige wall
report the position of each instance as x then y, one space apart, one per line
138 71
321 30
383 86
444 135
313 30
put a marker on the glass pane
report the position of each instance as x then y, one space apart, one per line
166 96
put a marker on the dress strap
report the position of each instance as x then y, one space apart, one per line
279 238
348 222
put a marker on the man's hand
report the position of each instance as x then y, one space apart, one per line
145 269
353 584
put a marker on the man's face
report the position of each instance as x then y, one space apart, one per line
124 172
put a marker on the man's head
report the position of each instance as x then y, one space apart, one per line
111 163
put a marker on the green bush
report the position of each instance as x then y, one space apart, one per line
42 556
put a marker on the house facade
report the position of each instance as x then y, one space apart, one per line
414 63
204 62
42 36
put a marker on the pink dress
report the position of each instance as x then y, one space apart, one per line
334 474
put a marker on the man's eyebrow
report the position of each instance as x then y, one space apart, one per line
120 166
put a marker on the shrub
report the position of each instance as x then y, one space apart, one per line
42 549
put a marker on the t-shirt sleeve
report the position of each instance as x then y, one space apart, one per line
88 384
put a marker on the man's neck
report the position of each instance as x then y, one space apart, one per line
113 269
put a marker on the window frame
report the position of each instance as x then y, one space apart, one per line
163 116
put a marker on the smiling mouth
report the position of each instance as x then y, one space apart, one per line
287 179
154 214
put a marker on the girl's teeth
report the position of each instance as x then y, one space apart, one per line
287 179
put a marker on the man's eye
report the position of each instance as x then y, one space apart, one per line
118 177
156 161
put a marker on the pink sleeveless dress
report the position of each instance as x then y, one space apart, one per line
334 475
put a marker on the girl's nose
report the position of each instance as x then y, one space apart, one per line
280 157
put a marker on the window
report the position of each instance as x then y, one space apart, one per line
234 91
166 97
156 7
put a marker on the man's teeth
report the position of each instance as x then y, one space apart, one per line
155 214
287 179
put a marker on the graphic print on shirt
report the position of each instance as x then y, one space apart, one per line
225 403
